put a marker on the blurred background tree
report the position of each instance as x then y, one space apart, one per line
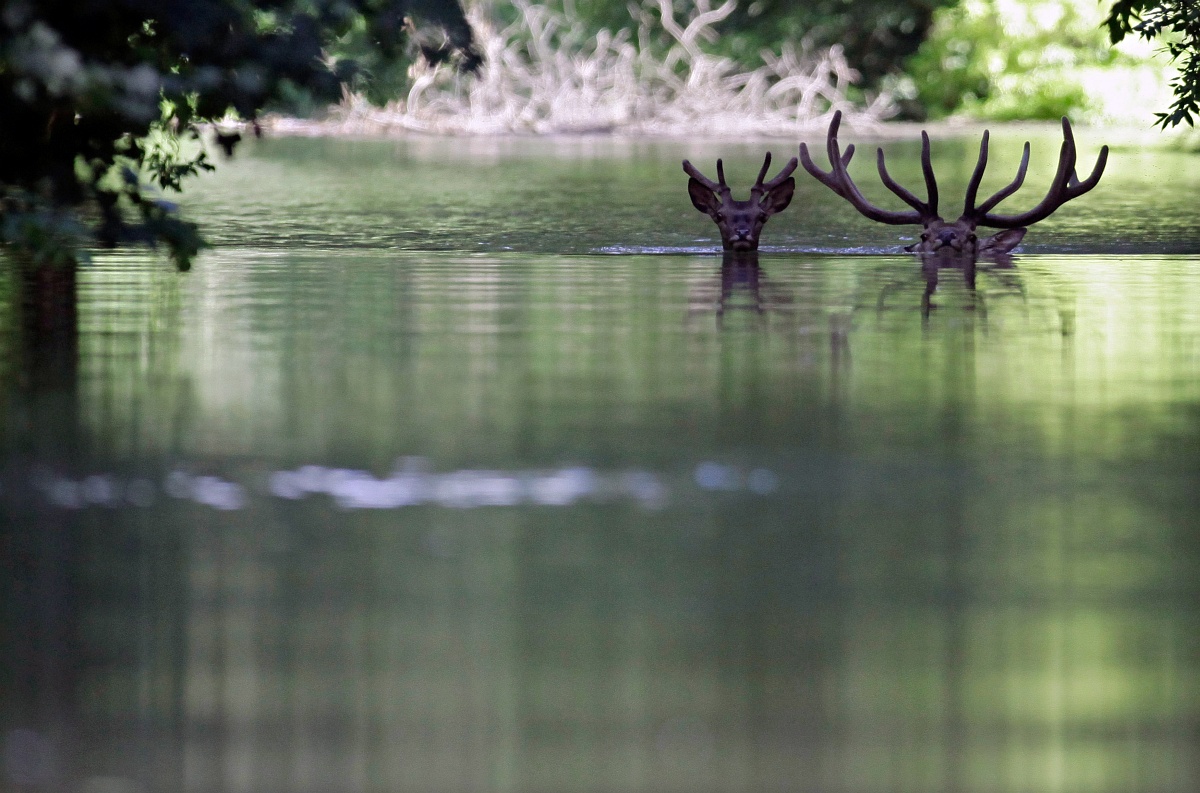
878 36
993 59
99 100
1009 59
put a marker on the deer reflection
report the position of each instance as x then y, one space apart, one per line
741 284
999 267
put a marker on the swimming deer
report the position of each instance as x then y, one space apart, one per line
741 222
957 239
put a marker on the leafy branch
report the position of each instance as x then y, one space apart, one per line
101 103
1177 22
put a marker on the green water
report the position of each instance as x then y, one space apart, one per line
459 465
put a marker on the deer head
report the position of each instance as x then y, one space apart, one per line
957 238
741 222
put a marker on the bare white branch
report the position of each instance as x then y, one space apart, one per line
546 74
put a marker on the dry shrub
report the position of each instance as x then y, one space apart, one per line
545 74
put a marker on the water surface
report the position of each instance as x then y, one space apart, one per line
461 465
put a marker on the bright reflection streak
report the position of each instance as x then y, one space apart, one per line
410 485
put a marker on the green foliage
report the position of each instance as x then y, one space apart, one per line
98 97
877 35
1008 59
1177 22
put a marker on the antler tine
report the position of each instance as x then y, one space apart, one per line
1063 188
927 169
721 174
1002 194
761 187
1093 177
784 174
758 183
838 179
693 172
833 148
906 195
1073 186
859 201
827 177
824 177
977 175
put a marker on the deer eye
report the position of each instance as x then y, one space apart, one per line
971 238
925 236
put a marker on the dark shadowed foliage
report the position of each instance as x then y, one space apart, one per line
100 100
878 35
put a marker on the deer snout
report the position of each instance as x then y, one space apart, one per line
742 239
946 238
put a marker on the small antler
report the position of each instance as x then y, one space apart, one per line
722 189
838 180
1063 188
756 192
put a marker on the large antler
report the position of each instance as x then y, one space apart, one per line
1066 185
838 180
970 211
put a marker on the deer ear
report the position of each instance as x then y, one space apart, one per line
1002 242
778 199
702 198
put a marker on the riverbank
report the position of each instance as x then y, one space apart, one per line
340 124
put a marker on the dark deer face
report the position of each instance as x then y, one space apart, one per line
959 239
741 222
